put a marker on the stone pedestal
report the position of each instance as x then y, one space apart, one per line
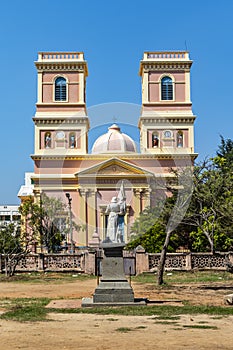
113 286
113 289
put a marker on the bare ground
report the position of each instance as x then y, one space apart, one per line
104 332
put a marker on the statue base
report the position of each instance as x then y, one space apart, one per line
113 286
113 289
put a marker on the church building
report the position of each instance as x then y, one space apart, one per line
62 164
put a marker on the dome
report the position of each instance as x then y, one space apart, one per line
114 141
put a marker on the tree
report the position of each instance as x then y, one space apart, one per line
149 229
152 240
156 229
46 221
210 210
31 219
224 154
13 246
201 206
41 220
51 210
181 196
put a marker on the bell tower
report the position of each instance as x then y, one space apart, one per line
61 123
166 121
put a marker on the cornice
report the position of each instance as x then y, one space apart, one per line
167 120
54 176
167 104
64 66
150 66
60 104
61 120
123 157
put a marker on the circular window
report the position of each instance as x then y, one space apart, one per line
167 134
60 135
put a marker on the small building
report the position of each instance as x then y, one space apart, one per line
62 163
9 214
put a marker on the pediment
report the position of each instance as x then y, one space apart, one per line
114 167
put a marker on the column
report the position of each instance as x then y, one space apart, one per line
39 87
82 216
102 224
37 194
145 88
187 86
136 201
127 231
81 87
146 198
91 212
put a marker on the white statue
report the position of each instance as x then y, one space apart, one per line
116 209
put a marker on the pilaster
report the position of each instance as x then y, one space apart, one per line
187 86
82 216
81 88
137 201
39 87
145 88
146 194
91 212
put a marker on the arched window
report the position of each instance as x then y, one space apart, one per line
166 88
60 89
180 139
155 140
47 140
72 140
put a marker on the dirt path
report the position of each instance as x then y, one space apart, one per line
196 293
98 332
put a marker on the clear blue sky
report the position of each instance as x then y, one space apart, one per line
113 36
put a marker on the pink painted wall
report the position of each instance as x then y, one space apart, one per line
180 92
73 95
154 93
154 86
156 76
168 107
48 86
47 93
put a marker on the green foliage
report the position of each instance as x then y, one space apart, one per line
124 329
42 220
145 221
153 239
199 326
150 228
211 207
178 277
46 278
9 240
51 209
23 310
161 310
224 158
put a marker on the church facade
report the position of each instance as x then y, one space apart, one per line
62 163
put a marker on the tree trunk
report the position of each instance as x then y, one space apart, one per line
211 242
6 265
163 259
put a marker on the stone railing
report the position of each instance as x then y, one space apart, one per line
49 262
135 262
176 55
60 56
190 261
